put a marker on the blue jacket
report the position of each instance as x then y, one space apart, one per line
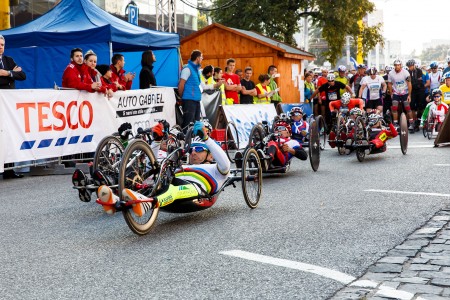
192 85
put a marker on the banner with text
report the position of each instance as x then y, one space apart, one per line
39 124
246 115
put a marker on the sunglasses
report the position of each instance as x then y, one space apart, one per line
280 128
197 149
296 114
330 80
434 68
437 96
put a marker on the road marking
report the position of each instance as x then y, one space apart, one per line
409 193
324 272
381 290
413 146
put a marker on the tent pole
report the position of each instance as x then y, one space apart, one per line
110 51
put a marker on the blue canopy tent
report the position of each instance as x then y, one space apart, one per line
42 47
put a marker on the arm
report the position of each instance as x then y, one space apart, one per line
223 163
144 79
181 84
349 89
390 88
361 89
409 90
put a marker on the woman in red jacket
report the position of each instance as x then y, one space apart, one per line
90 60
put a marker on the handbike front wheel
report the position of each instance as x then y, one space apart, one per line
107 157
138 172
231 141
359 139
251 178
403 133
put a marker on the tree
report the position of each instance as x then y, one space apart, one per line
437 53
279 20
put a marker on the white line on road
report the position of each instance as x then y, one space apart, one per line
409 193
324 272
413 146
328 273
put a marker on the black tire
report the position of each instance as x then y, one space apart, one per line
359 136
340 128
107 157
251 174
138 166
322 131
256 138
403 133
430 125
230 143
314 146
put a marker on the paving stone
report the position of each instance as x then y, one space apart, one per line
438 241
407 247
434 274
378 276
408 273
444 282
418 260
441 262
389 284
393 259
446 292
441 218
435 248
427 230
431 255
399 252
394 294
386 268
421 288
421 267
418 280
421 236
446 270
430 297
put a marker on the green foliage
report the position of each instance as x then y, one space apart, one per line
437 53
202 20
279 20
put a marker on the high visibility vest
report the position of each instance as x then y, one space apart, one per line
265 100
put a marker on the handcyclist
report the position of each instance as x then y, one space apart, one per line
399 86
345 102
445 89
379 133
281 147
200 179
376 89
436 106
300 127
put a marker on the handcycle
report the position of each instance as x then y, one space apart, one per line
433 123
341 128
142 173
361 138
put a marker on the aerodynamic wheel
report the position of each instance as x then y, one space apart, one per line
404 133
256 138
314 146
231 141
251 173
107 157
138 172
360 139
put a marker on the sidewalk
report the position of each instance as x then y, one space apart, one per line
418 269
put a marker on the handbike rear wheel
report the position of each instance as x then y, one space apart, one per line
231 140
322 130
359 138
403 133
251 177
138 172
340 129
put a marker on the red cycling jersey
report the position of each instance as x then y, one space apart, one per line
336 105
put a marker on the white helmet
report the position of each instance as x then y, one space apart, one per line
397 62
342 68
331 77
345 98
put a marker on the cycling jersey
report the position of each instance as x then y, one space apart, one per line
352 104
344 80
445 93
399 82
332 92
440 111
373 87
300 130
435 80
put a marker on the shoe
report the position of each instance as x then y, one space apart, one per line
411 128
107 199
10 174
100 179
79 179
139 208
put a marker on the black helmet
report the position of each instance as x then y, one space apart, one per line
410 62
373 71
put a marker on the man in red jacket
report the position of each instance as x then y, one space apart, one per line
76 74
123 81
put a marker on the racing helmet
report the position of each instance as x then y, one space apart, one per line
397 62
207 125
283 123
447 75
342 68
388 68
434 65
331 77
198 145
373 71
436 92
345 98
356 111
410 63
295 111
374 119
362 66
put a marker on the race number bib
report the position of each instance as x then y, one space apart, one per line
375 92
383 136
447 96
401 87
332 96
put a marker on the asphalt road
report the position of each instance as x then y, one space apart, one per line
55 247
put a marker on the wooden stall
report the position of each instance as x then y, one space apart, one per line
218 43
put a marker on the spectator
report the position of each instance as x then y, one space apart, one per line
309 87
122 79
248 87
9 73
90 59
207 79
232 81
76 75
106 74
263 90
240 74
189 89
217 74
273 73
146 76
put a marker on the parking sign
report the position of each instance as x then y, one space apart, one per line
133 14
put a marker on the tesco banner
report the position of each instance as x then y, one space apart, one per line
39 124
245 116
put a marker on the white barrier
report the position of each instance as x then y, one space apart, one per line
40 124
246 115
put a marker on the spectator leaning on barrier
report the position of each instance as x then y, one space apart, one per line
189 88
273 73
122 79
76 74
106 73
90 59
207 80
248 87
263 90
9 73
232 81
217 75
146 76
